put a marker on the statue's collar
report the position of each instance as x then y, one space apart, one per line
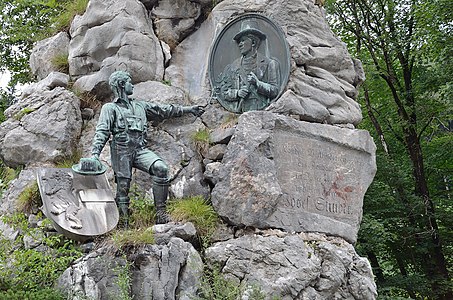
117 99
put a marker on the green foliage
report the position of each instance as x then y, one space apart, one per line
405 48
202 140
124 282
17 220
60 63
6 176
28 272
166 82
29 198
70 160
62 22
195 210
25 22
216 286
42 294
133 237
143 212
23 112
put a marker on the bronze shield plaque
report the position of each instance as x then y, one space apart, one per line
249 63
80 206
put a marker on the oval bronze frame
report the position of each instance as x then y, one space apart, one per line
224 50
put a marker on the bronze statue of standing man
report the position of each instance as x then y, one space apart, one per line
126 121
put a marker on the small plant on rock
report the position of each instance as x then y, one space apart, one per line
199 212
142 208
202 140
6 176
70 160
25 111
133 237
60 63
29 198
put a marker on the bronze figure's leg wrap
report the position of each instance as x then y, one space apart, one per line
122 199
159 171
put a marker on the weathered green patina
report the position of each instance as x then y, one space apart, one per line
126 121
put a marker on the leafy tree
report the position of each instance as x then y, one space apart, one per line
405 47
23 22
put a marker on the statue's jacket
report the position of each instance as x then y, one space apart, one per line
126 121
234 77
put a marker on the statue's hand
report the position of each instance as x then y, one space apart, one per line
196 110
243 92
95 156
252 79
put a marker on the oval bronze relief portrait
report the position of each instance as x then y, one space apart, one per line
249 63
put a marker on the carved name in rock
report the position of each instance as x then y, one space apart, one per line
318 176
296 176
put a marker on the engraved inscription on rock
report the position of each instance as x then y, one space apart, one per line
296 176
319 177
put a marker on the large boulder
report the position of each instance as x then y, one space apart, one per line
43 127
45 52
324 78
53 80
294 266
166 271
278 172
175 19
113 35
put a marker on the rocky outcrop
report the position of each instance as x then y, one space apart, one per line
295 266
113 35
53 80
43 127
281 173
170 269
45 52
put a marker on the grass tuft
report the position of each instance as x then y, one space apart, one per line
132 237
202 140
196 210
60 63
29 198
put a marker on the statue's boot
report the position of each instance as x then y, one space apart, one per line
160 192
123 209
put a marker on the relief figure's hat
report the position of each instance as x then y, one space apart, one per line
249 26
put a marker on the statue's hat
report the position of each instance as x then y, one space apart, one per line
249 26
89 166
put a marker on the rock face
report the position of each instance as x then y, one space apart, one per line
303 266
43 127
45 52
113 35
293 175
323 81
170 270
